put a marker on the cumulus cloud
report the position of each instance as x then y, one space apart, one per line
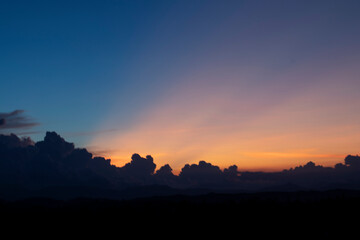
165 170
202 174
140 169
12 141
352 161
56 162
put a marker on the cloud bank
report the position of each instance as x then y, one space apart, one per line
56 162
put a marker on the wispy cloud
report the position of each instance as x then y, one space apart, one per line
16 120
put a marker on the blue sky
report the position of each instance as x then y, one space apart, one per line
87 68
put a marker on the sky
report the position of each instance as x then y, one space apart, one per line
265 85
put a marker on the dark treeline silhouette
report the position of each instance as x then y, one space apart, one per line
54 162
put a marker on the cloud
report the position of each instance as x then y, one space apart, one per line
12 141
165 170
16 120
353 161
56 162
201 174
139 169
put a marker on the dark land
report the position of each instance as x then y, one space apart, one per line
52 188
303 214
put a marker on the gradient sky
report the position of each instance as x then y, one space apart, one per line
265 85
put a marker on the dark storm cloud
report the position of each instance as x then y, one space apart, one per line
16 120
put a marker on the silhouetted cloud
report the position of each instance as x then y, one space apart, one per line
165 170
56 162
202 174
50 162
12 141
16 120
140 169
55 146
352 161
165 176
231 173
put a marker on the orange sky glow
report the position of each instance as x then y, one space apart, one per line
241 125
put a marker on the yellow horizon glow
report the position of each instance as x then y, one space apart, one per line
276 164
227 126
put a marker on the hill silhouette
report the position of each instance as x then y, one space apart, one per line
290 214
